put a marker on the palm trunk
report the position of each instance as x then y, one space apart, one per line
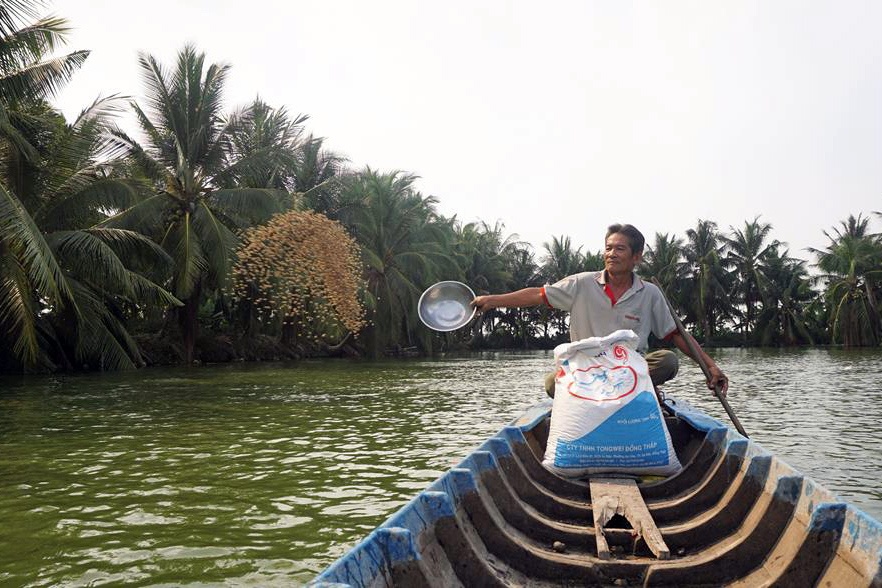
874 312
188 320
288 336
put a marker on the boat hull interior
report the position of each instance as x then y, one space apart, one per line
735 515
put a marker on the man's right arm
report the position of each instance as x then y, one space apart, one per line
517 299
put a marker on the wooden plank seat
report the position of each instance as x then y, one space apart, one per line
620 496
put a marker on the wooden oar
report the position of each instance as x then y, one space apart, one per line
696 354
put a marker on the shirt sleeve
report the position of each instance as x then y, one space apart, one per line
663 323
561 294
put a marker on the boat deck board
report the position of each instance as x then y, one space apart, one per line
621 496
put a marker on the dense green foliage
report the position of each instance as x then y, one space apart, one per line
109 243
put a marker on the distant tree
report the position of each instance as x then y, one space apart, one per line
592 262
785 318
482 254
560 260
663 260
710 304
405 246
264 145
749 250
852 266
525 273
481 251
316 176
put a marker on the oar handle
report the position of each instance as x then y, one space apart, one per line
696 354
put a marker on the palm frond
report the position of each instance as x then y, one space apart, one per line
101 109
218 242
13 13
101 338
152 167
131 245
98 198
42 79
18 228
254 204
182 241
148 292
18 315
95 261
16 138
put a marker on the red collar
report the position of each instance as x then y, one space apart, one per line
610 294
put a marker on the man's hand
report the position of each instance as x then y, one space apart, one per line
483 303
718 378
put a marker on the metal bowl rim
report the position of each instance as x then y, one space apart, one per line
434 287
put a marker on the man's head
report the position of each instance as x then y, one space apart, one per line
623 249
635 237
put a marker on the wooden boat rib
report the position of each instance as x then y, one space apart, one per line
735 515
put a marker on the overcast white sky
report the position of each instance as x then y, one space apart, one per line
556 118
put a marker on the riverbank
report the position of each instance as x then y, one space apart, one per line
161 349
211 348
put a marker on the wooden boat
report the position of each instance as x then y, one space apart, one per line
735 515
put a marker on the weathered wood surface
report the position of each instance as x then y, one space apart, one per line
620 496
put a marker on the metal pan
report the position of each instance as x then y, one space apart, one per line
446 306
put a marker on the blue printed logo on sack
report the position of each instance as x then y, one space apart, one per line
612 444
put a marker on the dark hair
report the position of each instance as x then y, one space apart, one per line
634 236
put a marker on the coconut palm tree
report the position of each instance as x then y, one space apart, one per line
592 262
30 280
51 188
524 272
315 177
482 253
663 260
560 261
749 248
787 295
97 275
852 266
405 247
264 147
189 158
709 302
114 272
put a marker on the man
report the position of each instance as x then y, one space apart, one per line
615 298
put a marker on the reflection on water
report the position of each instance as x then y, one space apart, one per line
263 474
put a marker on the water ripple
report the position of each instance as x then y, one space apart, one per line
263 474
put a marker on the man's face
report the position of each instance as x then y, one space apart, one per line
618 256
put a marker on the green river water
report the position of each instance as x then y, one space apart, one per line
263 474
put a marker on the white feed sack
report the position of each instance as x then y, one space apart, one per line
606 417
